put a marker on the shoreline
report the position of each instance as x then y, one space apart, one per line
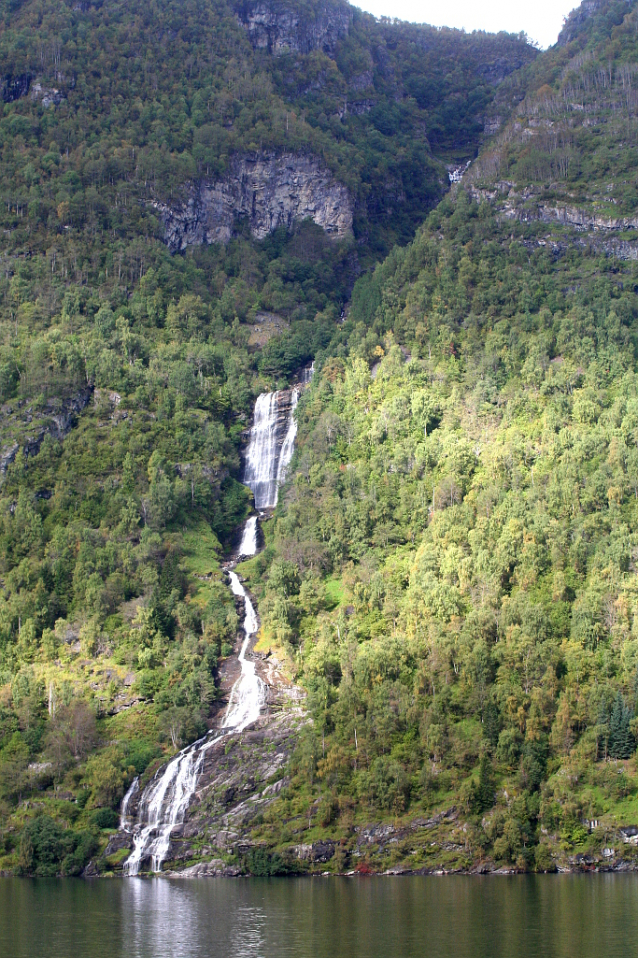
623 868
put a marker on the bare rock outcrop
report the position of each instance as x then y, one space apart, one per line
25 428
527 206
282 28
269 190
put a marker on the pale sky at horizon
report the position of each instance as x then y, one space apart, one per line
541 20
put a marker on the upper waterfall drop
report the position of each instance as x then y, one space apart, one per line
271 445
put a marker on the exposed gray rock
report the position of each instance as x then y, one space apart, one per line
317 852
50 96
281 29
360 107
215 868
269 190
496 70
375 834
240 778
362 81
577 18
526 207
573 216
56 419
118 841
492 124
7 456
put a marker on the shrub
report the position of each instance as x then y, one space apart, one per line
105 818
47 850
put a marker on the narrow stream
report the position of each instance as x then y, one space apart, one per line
165 800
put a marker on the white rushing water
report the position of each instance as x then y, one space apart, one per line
166 798
248 693
271 445
126 801
288 445
248 544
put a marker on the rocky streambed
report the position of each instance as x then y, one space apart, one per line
240 776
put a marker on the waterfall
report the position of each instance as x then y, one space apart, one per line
248 544
271 445
164 802
126 801
288 445
166 798
248 693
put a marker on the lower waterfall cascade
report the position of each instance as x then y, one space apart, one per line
164 802
166 798
134 787
248 544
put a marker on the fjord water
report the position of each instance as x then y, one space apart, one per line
548 916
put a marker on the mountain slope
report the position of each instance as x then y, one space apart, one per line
453 571
128 371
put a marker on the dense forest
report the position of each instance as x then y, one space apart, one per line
450 572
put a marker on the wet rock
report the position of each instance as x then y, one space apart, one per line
235 786
118 841
215 868
91 871
14 86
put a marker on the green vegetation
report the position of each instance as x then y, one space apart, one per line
450 572
466 470
572 140
127 375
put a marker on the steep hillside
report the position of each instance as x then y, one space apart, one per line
453 572
189 194
569 152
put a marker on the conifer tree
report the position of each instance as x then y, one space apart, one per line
482 795
620 738
602 728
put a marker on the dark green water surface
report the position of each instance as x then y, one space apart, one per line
497 917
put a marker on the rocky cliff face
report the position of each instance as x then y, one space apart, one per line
23 427
241 776
577 17
270 191
526 206
282 29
